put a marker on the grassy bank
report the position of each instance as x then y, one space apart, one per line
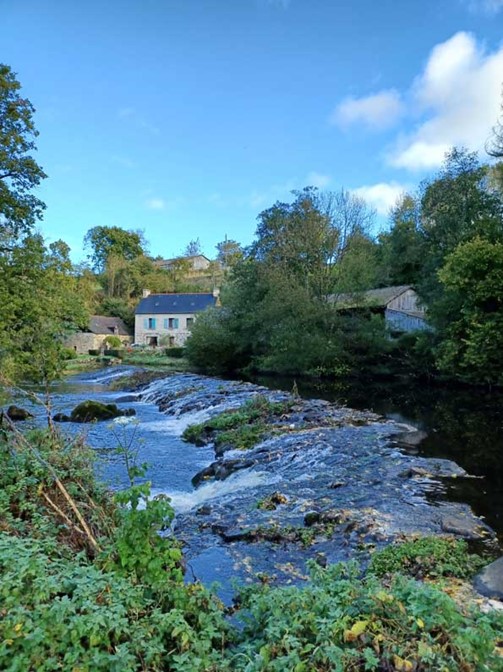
88 584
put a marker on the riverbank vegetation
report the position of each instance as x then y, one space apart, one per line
285 308
91 582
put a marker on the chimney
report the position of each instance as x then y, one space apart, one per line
146 292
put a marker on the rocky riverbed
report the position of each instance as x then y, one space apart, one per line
322 481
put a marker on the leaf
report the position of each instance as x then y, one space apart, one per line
356 630
402 665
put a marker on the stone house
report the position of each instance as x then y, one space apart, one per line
400 306
100 326
197 262
166 319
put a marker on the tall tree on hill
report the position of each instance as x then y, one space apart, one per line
495 145
105 241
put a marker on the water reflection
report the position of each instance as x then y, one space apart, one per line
464 425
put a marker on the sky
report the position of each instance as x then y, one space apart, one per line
187 118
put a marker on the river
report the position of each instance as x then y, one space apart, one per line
348 481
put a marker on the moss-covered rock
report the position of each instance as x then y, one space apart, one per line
93 411
16 413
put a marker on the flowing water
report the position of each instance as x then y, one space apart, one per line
348 480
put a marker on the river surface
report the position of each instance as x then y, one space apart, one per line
366 479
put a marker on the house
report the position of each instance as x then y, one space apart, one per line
166 319
400 306
100 326
197 262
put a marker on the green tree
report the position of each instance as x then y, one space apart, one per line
229 252
400 248
19 172
457 206
105 241
469 317
40 307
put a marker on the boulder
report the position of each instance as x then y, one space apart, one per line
15 413
92 411
61 417
490 581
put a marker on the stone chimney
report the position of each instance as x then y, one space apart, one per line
146 292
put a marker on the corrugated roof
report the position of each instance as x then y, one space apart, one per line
173 304
374 297
102 324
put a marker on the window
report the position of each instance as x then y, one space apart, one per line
171 323
149 323
190 322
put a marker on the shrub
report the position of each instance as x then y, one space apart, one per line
427 557
113 342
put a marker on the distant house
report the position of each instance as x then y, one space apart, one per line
400 306
92 338
169 317
197 262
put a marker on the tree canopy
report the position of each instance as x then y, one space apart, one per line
19 172
105 241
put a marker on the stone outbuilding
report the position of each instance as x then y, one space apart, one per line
400 305
100 326
166 319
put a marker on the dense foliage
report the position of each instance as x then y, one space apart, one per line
88 583
282 306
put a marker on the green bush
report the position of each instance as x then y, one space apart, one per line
119 354
343 623
427 557
175 352
94 352
113 342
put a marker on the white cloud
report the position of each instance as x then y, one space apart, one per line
155 204
458 96
382 196
490 7
318 180
377 111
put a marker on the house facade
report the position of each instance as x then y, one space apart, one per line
197 262
166 319
100 326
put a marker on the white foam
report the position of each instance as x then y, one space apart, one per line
234 485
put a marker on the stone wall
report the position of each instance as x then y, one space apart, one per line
83 342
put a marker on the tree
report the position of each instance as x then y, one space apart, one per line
469 317
19 172
400 248
229 252
495 145
456 207
105 241
193 248
40 307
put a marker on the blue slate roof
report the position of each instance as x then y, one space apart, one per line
172 304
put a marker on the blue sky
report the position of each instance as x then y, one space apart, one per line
186 118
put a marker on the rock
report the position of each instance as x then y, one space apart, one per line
490 581
336 484
91 411
61 417
128 412
15 413
127 399
311 518
468 528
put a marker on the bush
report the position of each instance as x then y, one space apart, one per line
115 353
94 353
113 342
69 353
175 352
